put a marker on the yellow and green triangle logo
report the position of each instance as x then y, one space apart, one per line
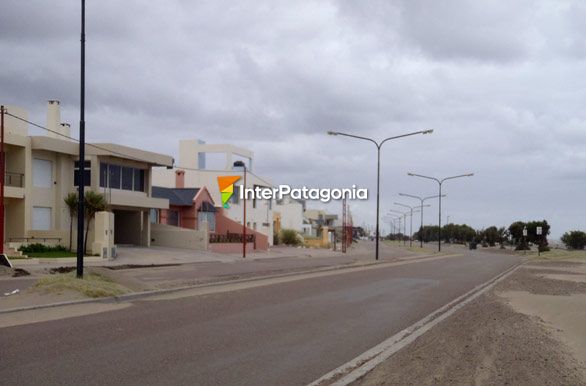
226 184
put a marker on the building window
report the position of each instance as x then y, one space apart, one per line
209 218
127 177
173 217
87 173
121 177
42 173
41 218
114 173
154 216
139 180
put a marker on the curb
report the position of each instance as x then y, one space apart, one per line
143 294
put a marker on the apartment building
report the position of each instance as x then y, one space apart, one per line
41 171
194 171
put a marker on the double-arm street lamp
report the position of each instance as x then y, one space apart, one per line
404 214
411 225
378 147
422 200
440 182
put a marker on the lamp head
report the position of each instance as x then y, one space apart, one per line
427 131
330 132
410 174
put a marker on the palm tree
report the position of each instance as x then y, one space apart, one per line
71 202
94 203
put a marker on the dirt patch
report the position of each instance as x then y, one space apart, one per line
134 266
53 271
486 342
526 280
92 285
18 272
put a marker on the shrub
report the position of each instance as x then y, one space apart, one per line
574 239
38 247
289 237
543 248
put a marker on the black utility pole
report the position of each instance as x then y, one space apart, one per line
80 179
378 147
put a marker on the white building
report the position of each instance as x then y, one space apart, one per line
291 213
191 172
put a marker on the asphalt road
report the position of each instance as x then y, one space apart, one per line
289 333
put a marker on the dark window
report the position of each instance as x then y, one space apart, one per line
103 174
127 174
115 176
87 173
139 180
173 218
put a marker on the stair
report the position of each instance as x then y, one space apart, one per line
11 251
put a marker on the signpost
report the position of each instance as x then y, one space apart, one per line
539 232
524 240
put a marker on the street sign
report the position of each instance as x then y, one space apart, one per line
525 231
539 230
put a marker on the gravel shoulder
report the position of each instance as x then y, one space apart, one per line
528 330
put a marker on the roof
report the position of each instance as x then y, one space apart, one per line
176 196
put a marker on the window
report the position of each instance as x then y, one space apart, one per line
103 174
138 180
114 180
154 216
42 173
41 218
209 218
87 173
173 218
121 177
127 175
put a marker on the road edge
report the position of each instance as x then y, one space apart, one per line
364 363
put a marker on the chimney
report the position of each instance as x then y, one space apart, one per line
65 130
180 179
53 118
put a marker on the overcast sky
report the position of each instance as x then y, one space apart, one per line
503 84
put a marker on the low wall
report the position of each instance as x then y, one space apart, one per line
225 225
170 236
230 247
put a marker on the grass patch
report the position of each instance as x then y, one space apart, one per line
51 254
556 254
92 285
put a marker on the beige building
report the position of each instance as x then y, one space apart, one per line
40 172
193 171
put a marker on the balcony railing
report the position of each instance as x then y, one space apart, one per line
14 179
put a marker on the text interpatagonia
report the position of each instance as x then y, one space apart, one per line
303 193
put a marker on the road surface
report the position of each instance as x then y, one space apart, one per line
289 333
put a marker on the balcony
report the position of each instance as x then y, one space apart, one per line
15 180
14 185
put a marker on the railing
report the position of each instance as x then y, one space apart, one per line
33 239
230 238
14 179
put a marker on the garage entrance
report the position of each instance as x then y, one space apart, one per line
130 227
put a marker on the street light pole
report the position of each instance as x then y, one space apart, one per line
411 226
243 165
421 200
440 183
378 147
81 172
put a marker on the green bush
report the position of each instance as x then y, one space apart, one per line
574 239
543 248
289 237
39 248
